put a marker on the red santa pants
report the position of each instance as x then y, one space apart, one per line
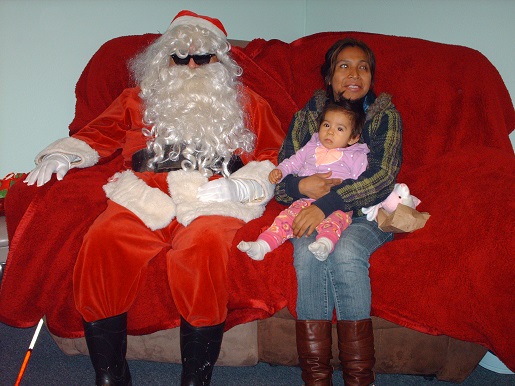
112 262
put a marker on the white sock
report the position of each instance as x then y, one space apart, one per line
255 249
321 248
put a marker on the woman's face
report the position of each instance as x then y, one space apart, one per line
352 76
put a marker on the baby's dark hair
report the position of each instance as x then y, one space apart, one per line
354 109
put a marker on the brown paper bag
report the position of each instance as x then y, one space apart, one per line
403 219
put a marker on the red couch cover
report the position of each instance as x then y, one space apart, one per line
453 277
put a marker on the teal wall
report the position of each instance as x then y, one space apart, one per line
45 44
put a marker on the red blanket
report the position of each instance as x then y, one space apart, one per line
454 277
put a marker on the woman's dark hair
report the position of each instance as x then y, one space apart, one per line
331 55
353 108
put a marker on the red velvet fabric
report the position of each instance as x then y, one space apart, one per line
454 277
111 267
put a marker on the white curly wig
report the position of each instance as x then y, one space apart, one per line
198 111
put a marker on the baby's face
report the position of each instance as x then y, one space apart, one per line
335 130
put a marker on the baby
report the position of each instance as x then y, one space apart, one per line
333 148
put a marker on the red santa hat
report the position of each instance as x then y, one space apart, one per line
191 18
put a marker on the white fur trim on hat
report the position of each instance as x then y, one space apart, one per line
191 18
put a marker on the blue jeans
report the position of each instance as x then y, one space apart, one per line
341 282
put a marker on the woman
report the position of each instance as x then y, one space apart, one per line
341 283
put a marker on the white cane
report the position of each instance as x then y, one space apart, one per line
29 352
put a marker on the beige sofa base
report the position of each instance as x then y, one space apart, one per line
239 346
399 350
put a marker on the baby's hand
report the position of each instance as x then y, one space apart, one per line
275 176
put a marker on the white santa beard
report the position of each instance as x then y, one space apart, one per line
197 108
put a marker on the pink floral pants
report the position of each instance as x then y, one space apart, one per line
281 229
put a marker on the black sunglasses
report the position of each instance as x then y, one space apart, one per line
198 59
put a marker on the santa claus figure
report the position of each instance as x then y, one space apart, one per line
195 170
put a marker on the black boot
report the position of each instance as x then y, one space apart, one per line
107 345
200 347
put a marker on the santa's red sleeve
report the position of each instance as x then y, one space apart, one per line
264 123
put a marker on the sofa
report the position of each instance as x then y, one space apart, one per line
442 295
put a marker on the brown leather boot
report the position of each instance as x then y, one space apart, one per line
314 349
356 346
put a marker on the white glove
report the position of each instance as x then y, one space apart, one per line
57 163
230 189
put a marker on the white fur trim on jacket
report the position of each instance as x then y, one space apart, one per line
257 171
183 188
154 207
85 155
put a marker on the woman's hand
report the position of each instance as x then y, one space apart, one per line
318 185
307 220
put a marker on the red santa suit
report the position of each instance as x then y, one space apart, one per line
151 213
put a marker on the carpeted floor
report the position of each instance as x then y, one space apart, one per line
49 366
